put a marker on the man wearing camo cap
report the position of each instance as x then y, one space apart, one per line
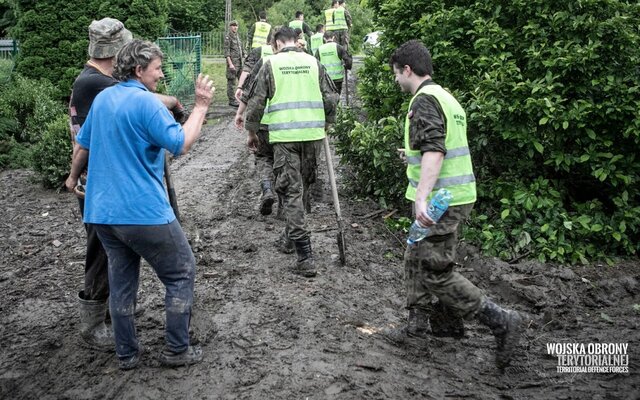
106 37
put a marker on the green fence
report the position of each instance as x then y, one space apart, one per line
212 43
181 65
8 53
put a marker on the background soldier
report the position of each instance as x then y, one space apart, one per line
317 39
259 33
335 59
300 99
264 150
342 23
299 23
233 56
438 156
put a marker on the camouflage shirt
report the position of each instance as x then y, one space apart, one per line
264 87
427 126
233 49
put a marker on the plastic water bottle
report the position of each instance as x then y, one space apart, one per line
436 209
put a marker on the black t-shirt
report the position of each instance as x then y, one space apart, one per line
88 84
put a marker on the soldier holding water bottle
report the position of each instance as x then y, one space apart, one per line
437 156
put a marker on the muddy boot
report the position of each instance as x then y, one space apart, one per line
267 198
417 327
284 244
445 322
305 265
505 325
93 330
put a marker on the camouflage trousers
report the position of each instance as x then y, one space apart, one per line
264 155
232 80
429 269
342 38
294 168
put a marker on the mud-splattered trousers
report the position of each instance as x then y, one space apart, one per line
96 277
292 164
166 249
264 155
429 268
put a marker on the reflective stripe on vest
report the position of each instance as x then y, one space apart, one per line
456 173
296 23
329 58
295 113
328 19
316 42
339 20
260 34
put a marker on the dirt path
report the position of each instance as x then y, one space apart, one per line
269 334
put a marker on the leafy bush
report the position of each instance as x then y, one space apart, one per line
26 105
551 92
370 151
54 37
51 155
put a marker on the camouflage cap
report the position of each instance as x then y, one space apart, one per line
106 37
234 22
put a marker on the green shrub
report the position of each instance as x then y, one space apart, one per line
52 155
551 93
54 37
26 106
370 151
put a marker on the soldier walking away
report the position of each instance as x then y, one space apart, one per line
233 56
106 37
298 98
298 23
317 39
329 25
341 24
264 150
438 156
260 33
335 59
124 139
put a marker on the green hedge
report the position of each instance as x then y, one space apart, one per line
551 92
51 156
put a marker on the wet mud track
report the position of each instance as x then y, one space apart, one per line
269 334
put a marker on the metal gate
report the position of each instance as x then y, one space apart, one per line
181 65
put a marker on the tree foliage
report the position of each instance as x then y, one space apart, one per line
53 34
196 15
551 93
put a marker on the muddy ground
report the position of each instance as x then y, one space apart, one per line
268 334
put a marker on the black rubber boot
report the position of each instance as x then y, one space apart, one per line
417 327
267 199
96 334
305 265
505 325
445 322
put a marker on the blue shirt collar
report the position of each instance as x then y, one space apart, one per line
134 83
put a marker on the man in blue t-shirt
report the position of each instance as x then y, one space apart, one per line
124 139
106 37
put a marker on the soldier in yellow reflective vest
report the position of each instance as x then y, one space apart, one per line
335 59
437 156
264 150
297 98
342 23
259 33
328 16
317 39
